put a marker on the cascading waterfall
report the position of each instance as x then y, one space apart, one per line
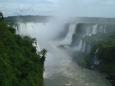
68 39
83 30
96 59
60 70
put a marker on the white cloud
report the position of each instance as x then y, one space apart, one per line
100 8
94 8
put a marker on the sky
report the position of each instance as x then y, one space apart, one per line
86 8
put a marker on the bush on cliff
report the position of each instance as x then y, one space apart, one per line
19 63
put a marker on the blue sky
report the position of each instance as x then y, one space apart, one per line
97 8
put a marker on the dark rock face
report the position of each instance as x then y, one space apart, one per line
1 16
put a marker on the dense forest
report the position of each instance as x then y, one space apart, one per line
20 65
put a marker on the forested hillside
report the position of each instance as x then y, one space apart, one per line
20 65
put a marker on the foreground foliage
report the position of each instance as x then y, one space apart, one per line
19 63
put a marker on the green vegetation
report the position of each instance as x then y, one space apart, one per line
20 65
105 43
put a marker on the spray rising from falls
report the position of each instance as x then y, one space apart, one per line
60 70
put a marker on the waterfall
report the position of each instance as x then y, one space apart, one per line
96 62
83 30
60 70
68 39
